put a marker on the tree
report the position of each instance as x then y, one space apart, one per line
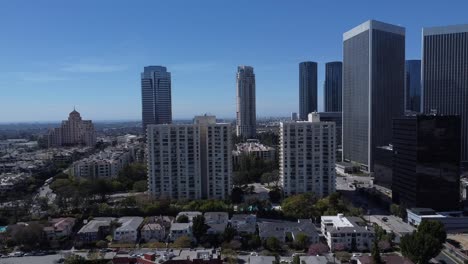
302 241
317 249
29 236
101 244
385 245
183 242
296 260
75 259
435 229
254 242
275 195
237 195
229 233
425 243
376 253
182 219
272 244
199 227
300 206
419 247
140 186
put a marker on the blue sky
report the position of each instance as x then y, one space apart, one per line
57 54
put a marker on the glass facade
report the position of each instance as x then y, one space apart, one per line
156 96
307 88
413 85
373 88
445 74
426 163
333 86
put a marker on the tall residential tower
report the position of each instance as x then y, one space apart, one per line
445 75
246 106
307 89
373 88
333 88
156 99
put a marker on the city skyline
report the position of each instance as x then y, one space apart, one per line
57 73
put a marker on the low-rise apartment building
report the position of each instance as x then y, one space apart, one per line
129 229
106 164
347 233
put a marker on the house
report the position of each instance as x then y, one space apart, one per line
180 229
95 229
244 223
189 214
216 221
313 260
280 230
261 260
129 228
59 227
153 232
387 259
343 233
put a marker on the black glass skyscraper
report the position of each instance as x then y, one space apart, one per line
413 85
426 162
333 88
373 88
156 100
307 88
445 75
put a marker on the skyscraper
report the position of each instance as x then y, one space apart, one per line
156 99
373 88
307 156
426 162
74 131
246 106
445 75
190 161
307 88
333 88
413 85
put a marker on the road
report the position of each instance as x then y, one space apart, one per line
443 257
50 259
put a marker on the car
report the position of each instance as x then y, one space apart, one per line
253 254
385 219
357 255
28 254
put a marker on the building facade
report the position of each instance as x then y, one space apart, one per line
426 162
190 161
307 157
255 148
344 233
307 88
103 165
246 105
333 87
73 131
413 86
156 99
444 74
373 88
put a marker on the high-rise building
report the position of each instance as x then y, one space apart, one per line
413 85
156 98
307 156
73 131
307 88
333 87
445 78
190 161
373 88
246 106
426 162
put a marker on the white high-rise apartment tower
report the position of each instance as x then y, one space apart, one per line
190 161
307 156
246 109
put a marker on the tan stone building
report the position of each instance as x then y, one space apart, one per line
73 131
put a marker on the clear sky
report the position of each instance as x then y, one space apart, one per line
56 54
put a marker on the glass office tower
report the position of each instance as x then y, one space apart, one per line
445 75
413 85
307 89
333 88
426 162
373 88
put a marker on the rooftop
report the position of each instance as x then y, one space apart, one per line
373 24
95 224
445 30
129 223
